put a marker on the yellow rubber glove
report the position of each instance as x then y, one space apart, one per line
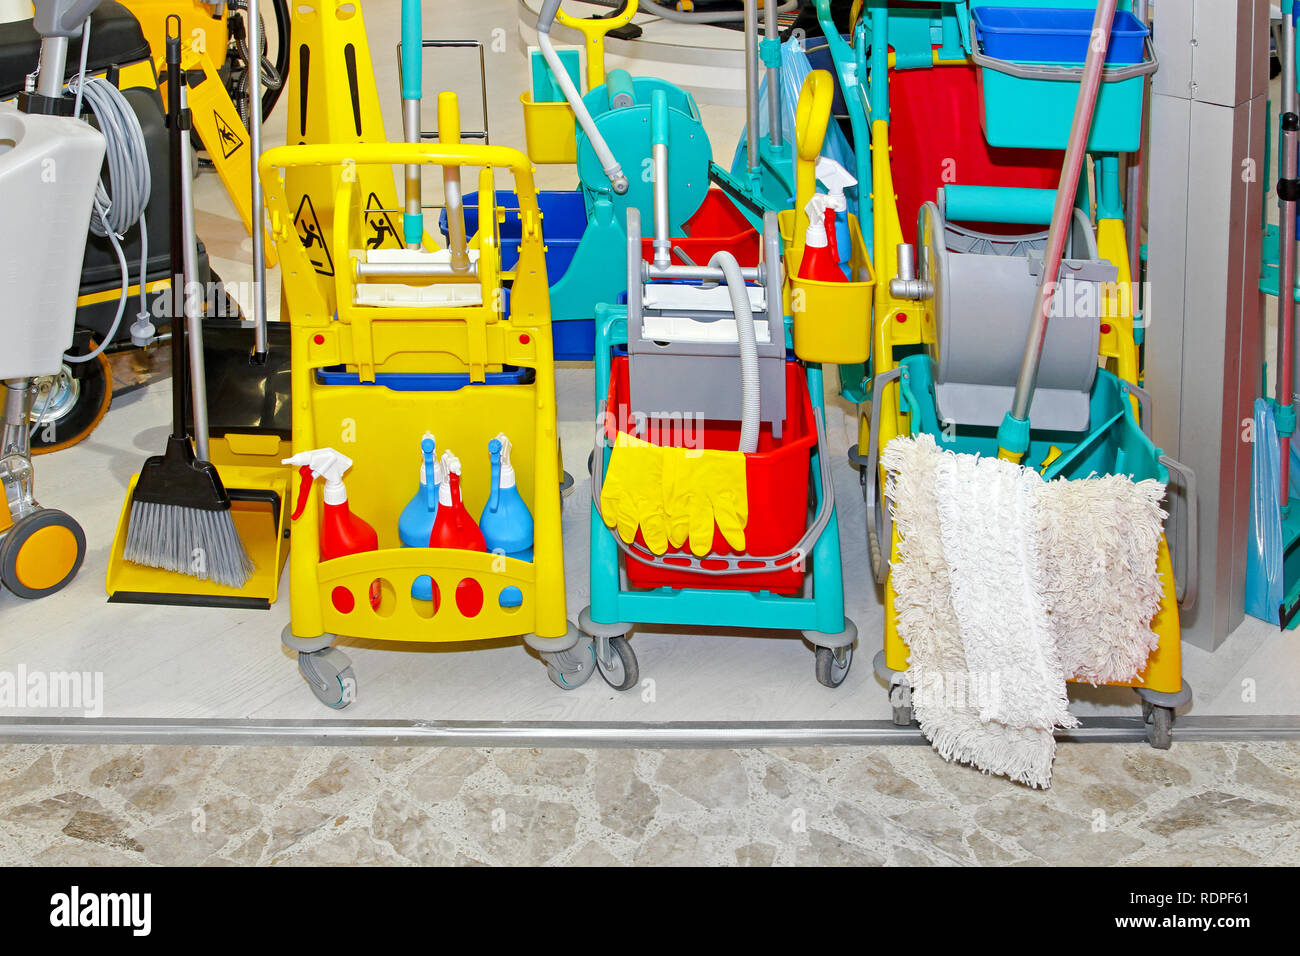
632 495
706 488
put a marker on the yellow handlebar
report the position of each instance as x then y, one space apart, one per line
406 154
593 33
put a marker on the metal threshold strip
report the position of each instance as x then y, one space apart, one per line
45 730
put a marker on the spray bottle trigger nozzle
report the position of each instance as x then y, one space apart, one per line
494 496
427 446
304 489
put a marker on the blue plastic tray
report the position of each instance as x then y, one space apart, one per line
423 381
1055 35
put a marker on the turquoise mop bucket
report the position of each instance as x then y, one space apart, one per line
1028 102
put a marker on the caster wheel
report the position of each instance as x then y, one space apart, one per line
623 671
67 408
566 485
329 675
41 553
900 702
1160 725
591 461
573 667
833 665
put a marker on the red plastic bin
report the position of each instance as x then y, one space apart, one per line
717 226
777 483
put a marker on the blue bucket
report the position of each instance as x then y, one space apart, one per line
564 220
1054 35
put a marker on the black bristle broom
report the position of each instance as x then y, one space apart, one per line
180 511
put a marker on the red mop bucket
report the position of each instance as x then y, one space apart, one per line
717 226
777 484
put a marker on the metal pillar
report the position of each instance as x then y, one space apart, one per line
1203 341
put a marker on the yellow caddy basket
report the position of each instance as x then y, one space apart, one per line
831 320
460 325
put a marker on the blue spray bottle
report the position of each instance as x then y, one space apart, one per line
417 518
506 522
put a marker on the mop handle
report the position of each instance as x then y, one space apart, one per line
772 40
751 85
1288 191
412 93
1062 215
254 68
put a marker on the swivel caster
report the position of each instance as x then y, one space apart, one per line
900 702
573 667
329 675
618 663
41 553
1160 725
833 664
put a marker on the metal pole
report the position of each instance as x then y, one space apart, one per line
449 135
751 83
412 48
1074 155
258 214
659 154
773 35
1133 196
1286 272
54 63
192 294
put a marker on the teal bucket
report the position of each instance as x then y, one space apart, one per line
1031 105
1036 114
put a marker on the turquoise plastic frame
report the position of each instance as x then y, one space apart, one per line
612 604
1113 445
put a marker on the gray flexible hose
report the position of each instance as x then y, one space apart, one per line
750 399
608 163
718 16
127 158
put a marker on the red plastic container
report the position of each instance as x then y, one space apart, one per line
716 226
777 484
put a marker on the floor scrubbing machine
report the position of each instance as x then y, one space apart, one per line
114 289
46 224
950 321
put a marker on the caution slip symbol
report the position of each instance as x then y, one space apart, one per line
313 237
230 140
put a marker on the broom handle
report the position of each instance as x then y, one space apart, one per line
176 201
1062 214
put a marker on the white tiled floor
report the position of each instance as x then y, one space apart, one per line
179 663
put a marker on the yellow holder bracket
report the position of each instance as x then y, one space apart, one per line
549 128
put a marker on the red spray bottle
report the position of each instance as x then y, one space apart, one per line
341 532
454 528
820 261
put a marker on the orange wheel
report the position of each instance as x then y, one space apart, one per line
41 553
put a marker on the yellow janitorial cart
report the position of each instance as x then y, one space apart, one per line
397 344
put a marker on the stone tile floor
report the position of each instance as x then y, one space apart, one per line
1208 804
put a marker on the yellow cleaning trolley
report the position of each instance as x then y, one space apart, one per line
395 344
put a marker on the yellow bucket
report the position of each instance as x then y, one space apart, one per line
832 320
549 131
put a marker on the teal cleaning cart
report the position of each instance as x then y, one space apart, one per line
789 575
